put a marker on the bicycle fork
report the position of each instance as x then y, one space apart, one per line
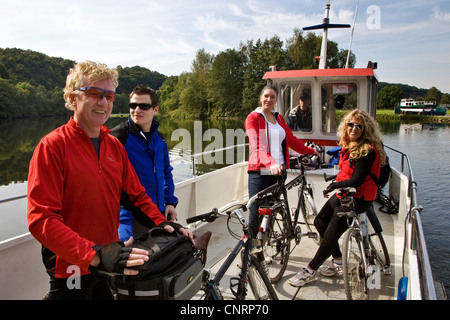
238 285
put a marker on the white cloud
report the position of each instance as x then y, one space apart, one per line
165 35
442 16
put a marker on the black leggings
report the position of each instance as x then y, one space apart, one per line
331 227
90 288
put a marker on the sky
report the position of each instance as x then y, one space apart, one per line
410 39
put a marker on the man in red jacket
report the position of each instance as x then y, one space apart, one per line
76 177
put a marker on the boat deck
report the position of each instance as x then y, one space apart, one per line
324 288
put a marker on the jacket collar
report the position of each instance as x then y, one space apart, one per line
103 130
134 128
259 110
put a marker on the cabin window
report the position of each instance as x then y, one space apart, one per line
300 115
337 99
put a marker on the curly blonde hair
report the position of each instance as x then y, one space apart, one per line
370 138
92 71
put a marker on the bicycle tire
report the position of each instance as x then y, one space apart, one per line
309 213
277 247
379 250
353 268
259 281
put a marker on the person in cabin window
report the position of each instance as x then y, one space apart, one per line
269 142
300 117
76 177
360 160
149 155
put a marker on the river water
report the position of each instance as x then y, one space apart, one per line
425 144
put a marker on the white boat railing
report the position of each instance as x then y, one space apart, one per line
192 158
13 198
417 243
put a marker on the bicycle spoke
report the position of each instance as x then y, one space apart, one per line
353 266
277 249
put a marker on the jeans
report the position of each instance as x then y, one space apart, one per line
256 183
331 227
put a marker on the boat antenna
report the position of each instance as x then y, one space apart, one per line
351 37
325 26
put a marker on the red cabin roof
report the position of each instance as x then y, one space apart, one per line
352 72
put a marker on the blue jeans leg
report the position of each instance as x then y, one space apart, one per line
257 183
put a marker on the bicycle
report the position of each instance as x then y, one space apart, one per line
363 251
278 228
252 271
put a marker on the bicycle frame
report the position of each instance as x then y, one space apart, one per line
358 220
294 221
212 290
247 274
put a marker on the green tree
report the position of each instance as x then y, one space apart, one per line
389 97
177 111
303 50
340 60
445 98
193 98
7 95
434 95
225 83
133 76
259 57
168 102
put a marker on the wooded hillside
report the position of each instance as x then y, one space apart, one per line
222 85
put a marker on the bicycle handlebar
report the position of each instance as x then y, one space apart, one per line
208 217
329 178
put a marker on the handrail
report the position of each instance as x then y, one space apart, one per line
192 157
417 245
188 157
13 198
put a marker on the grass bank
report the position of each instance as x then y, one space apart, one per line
389 114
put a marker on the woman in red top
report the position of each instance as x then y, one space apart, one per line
269 142
362 155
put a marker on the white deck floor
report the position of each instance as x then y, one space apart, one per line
323 288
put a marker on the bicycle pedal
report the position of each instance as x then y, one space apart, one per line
312 235
235 286
387 271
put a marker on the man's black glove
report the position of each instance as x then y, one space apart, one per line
174 225
113 257
330 188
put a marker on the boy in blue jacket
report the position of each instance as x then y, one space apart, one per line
148 153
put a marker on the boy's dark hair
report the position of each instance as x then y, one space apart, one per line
141 89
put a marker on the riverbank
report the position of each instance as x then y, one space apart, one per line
389 114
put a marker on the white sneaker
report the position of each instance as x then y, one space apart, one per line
301 278
332 270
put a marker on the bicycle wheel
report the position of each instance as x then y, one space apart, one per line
277 247
379 251
353 267
309 213
259 282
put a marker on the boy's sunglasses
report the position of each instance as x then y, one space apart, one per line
98 93
358 126
142 106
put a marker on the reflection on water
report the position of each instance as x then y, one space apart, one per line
427 147
18 138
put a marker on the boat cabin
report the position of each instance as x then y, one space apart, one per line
331 92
